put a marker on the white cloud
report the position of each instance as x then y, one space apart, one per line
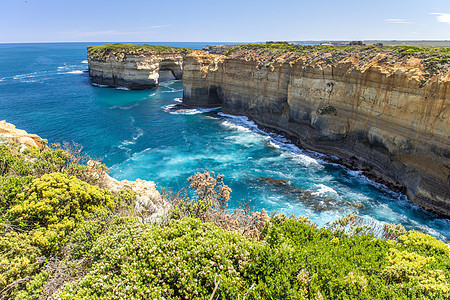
398 21
442 17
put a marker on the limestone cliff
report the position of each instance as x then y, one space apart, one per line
10 132
133 66
382 112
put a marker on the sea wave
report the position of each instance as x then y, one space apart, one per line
172 91
172 109
76 72
124 107
30 77
324 191
139 132
84 61
242 123
100 85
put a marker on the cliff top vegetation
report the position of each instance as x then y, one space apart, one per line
121 50
63 236
435 60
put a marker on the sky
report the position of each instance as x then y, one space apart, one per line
222 21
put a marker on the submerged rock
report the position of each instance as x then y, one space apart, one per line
316 202
275 182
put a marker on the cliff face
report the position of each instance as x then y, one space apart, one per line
133 69
389 118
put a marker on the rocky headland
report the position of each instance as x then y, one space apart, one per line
383 110
133 66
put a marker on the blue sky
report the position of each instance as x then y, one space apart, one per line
222 21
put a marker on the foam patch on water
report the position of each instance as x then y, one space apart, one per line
75 72
242 123
31 77
122 88
84 61
139 132
187 111
100 85
324 191
69 69
127 107
236 127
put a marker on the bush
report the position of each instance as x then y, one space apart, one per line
17 260
56 197
146 262
423 243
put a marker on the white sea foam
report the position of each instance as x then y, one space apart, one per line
188 111
172 91
242 123
245 139
122 88
124 107
235 126
23 76
178 99
84 61
139 132
324 191
100 85
75 72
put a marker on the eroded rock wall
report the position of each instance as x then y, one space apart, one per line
134 71
390 120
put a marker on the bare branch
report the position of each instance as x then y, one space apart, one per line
245 295
216 286
9 286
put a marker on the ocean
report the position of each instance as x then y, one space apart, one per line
45 89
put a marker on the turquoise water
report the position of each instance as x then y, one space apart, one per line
44 89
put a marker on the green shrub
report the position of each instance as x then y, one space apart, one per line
56 197
178 261
12 162
423 243
34 288
17 260
411 268
10 187
50 160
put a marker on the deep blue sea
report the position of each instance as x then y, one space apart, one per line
44 89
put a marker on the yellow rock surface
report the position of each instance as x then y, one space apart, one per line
10 132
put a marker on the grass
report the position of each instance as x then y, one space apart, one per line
134 47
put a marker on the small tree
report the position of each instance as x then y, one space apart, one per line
211 195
